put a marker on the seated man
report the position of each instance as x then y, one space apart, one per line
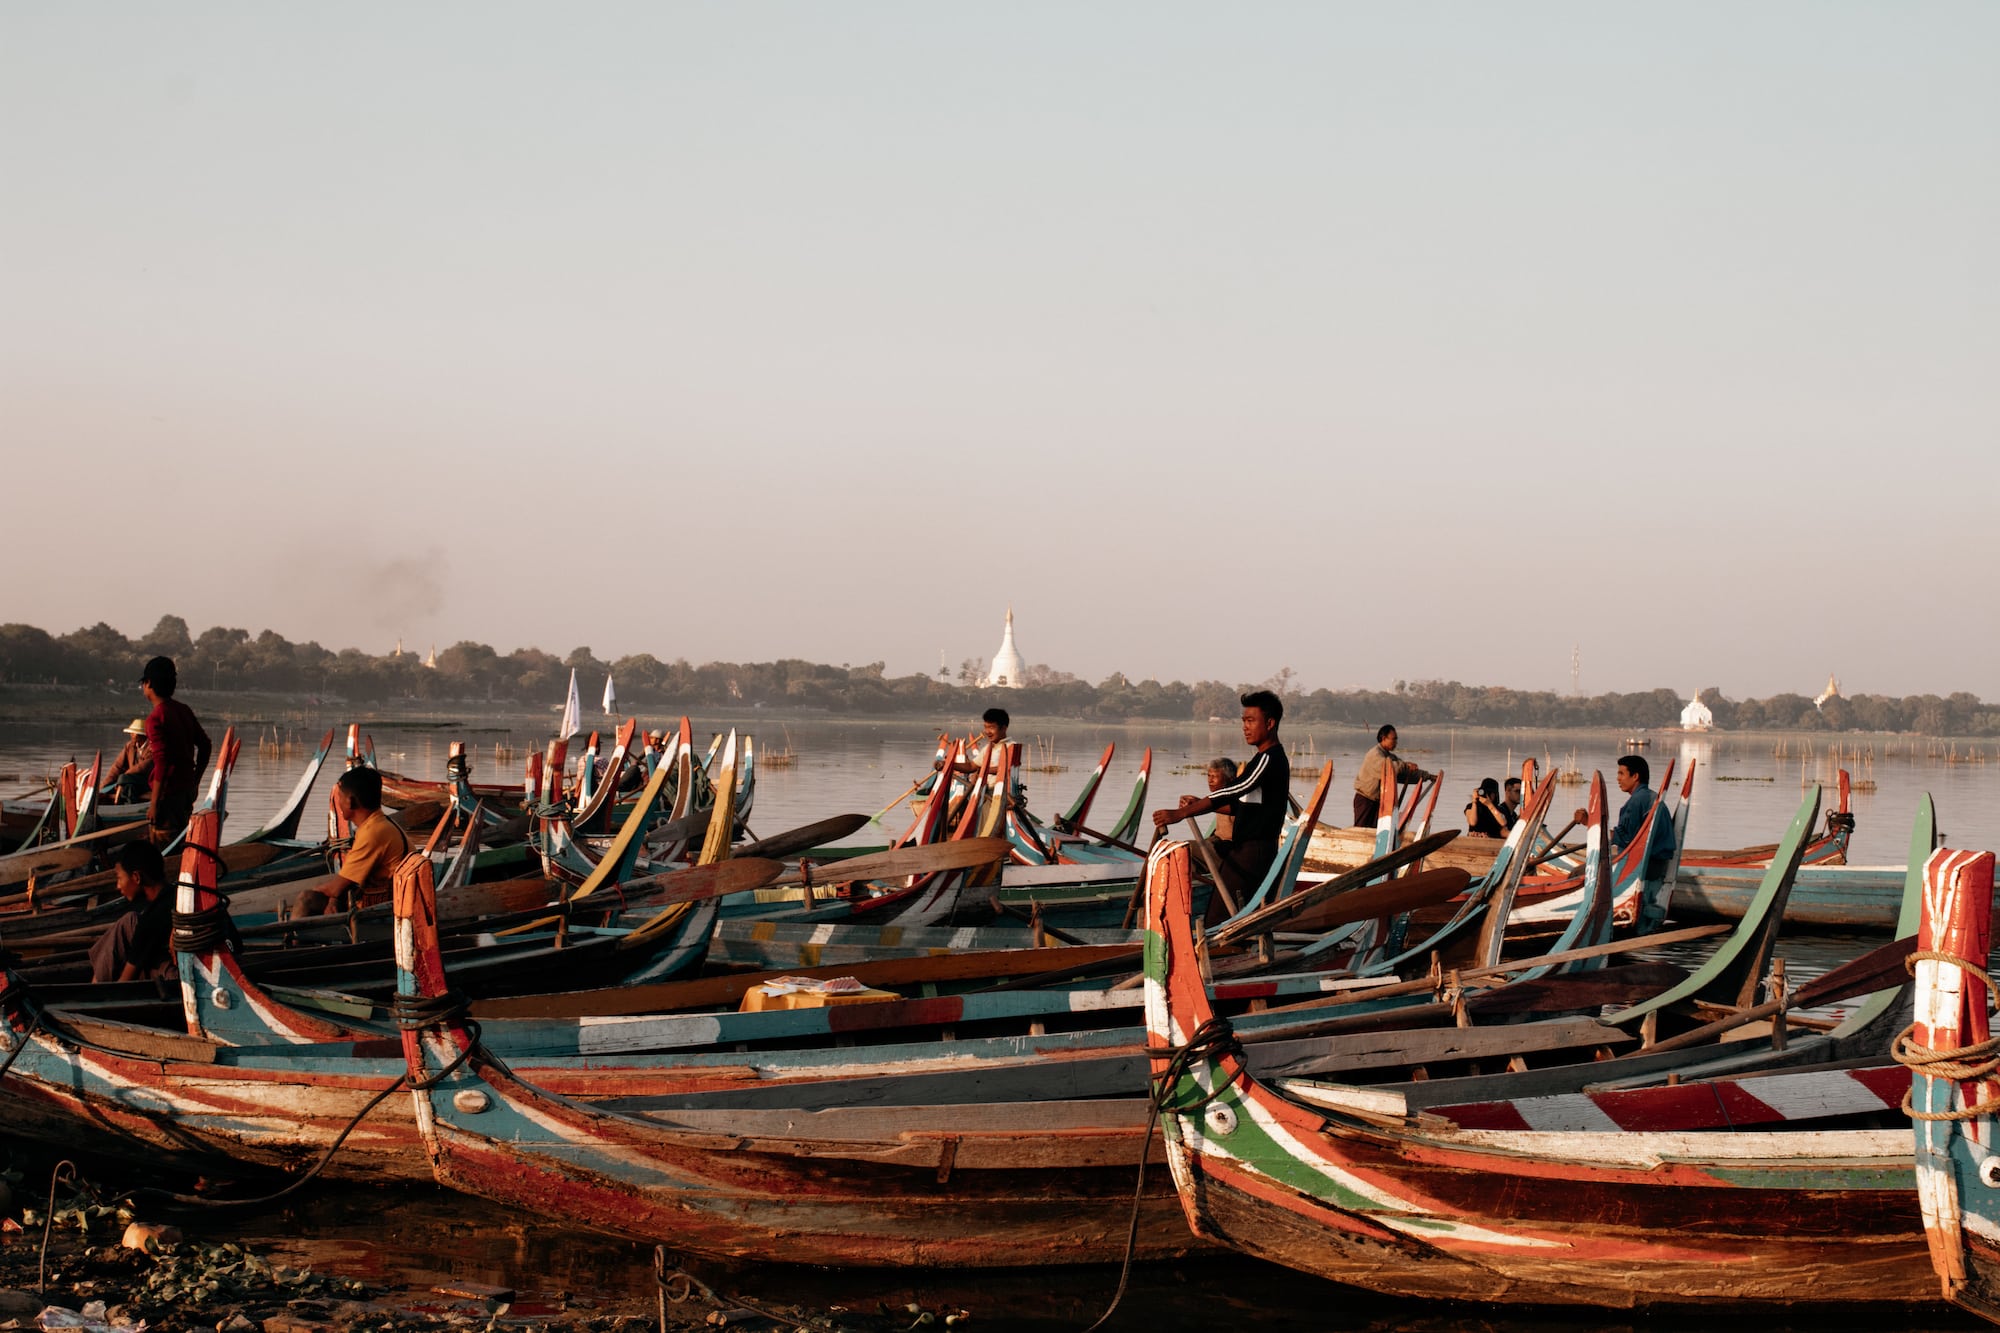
1511 803
1222 770
132 771
139 944
368 872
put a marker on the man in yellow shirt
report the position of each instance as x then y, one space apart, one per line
368 871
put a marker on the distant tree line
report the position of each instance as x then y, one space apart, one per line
474 673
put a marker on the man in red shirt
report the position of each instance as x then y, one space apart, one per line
180 750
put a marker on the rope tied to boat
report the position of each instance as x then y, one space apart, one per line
411 1013
1958 1064
204 930
1211 1041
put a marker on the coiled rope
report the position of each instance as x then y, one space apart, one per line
1959 1064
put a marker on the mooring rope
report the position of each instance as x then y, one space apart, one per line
1211 1041
1959 1064
412 1013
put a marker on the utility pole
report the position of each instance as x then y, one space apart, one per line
1576 668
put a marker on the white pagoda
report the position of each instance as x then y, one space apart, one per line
1696 717
1008 669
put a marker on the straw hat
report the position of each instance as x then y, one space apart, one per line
137 727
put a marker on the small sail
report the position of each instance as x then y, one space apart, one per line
610 699
572 719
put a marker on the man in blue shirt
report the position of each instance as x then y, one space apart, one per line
1633 775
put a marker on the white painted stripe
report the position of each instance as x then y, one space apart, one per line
598 1036
1803 1096
1570 1112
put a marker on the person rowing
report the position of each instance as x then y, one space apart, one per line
1368 782
1256 798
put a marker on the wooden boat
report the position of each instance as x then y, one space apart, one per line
258 1079
1541 1190
1337 848
936 1182
1954 1094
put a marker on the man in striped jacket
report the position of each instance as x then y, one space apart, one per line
1257 799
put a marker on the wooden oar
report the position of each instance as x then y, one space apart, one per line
960 854
1555 846
1390 898
1878 969
1208 856
803 838
16 867
236 856
738 874
1272 917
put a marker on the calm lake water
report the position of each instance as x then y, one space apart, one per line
1747 789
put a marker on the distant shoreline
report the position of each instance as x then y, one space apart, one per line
45 707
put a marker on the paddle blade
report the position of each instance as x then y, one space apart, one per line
1390 898
962 854
738 874
808 836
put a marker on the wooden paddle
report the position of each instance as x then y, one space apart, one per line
1555 846
1389 898
1277 914
804 838
1214 864
66 855
738 874
960 854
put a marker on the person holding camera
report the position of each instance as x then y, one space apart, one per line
1486 817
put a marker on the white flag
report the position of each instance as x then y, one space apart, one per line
572 721
610 698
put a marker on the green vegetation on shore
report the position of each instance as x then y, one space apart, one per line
475 674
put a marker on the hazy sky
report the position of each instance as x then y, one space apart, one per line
1386 340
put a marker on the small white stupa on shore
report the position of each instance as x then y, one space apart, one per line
1696 717
1008 669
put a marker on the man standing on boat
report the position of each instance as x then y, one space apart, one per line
180 750
368 870
1633 775
1256 799
1368 782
